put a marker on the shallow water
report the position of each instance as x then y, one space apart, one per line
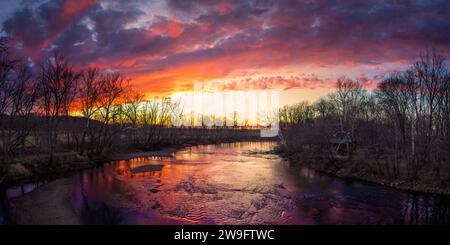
234 184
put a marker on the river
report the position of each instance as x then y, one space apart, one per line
238 183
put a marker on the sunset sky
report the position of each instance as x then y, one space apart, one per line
297 47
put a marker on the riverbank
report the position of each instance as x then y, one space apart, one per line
362 170
35 167
254 194
50 204
47 205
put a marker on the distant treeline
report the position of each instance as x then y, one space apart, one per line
37 105
403 126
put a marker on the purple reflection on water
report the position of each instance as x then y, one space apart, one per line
237 184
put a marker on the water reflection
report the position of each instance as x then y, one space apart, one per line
94 212
20 190
234 184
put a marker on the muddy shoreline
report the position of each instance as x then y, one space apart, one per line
50 204
47 205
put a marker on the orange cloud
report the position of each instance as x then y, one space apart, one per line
167 47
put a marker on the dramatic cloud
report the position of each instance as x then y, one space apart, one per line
165 46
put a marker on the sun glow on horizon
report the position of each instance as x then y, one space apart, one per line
237 108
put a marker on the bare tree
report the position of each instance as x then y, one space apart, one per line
131 107
57 90
299 113
132 104
17 99
89 93
22 97
114 87
155 115
6 67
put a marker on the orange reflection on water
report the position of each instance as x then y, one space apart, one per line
236 184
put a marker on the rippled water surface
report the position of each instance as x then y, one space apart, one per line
239 183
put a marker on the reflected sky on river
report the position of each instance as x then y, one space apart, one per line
239 183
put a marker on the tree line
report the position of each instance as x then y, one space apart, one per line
403 125
35 103
54 106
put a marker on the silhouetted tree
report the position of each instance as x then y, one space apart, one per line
17 100
114 87
57 90
90 91
403 125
